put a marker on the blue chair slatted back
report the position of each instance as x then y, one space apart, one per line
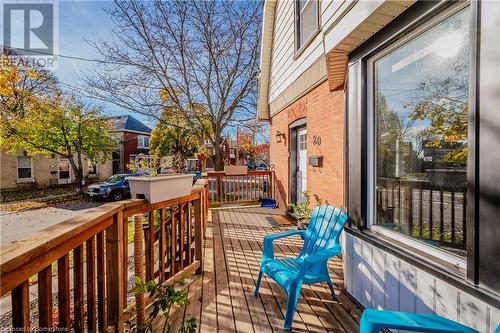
323 232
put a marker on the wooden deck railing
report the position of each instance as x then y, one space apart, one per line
254 185
87 257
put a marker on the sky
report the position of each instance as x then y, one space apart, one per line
81 22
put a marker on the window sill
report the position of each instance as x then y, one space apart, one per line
24 181
439 268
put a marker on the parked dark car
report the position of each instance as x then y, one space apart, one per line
262 167
250 166
114 188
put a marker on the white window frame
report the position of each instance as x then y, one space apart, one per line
140 141
448 257
24 180
303 44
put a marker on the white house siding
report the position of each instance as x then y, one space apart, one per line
284 68
380 280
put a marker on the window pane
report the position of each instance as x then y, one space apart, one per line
421 105
309 21
24 162
23 173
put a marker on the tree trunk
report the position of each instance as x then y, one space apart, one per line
218 163
78 171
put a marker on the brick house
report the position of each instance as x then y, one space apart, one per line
389 110
23 171
133 139
228 152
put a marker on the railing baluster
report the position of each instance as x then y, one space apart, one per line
198 234
21 307
102 317
78 316
173 242
63 292
189 233
162 241
182 235
114 267
45 298
150 275
91 285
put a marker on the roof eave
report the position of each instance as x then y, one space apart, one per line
265 59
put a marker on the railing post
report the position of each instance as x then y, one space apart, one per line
198 233
114 269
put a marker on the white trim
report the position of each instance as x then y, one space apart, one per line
371 145
140 141
122 130
25 180
449 257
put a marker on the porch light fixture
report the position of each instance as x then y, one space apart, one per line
280 137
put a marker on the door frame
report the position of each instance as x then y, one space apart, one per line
293 128
70 177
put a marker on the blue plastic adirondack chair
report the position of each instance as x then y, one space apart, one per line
372 321
321 242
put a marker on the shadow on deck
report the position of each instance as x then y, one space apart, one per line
222 298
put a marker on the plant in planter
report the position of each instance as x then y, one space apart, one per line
156 187
301 211
165 299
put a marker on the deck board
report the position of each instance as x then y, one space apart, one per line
222 298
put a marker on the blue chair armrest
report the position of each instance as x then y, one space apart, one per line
375 320
268 252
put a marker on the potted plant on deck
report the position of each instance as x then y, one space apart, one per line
156 187
301 212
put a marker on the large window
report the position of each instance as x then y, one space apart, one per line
420 101
24 169
306 22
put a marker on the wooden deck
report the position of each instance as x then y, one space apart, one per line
222 298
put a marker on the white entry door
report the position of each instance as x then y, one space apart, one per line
301 164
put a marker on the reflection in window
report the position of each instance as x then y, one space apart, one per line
421 105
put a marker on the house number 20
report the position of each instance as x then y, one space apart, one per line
316 140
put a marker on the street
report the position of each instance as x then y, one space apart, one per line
15 226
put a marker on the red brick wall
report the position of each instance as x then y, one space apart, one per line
324 113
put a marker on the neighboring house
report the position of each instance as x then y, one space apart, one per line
351 90
133 139
23 171
228 152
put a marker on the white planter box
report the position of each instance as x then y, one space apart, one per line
160 188
232 170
